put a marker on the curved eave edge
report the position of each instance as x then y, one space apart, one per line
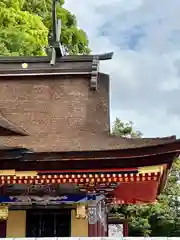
31 73
99 155
39 59
163 181
164 177
168 146
141 151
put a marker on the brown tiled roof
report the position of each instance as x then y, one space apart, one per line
105 142
83 141
8 128
125 143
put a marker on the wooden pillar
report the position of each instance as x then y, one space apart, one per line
102 219
125 229
97 218
3 224
92 216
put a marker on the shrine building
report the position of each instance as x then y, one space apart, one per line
60 168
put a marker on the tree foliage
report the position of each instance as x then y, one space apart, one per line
124 129
26 25
162 218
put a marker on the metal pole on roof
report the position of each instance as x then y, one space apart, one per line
57 50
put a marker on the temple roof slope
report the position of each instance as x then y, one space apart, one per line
68 115
85 141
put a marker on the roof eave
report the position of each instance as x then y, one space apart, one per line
29 161
29 74
46 59
129 153
165 174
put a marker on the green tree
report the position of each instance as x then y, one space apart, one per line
26 25
162 218
124 129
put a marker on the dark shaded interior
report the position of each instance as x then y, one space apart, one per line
48 223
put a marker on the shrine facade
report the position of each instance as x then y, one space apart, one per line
61 170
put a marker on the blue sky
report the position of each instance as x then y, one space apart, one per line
145 70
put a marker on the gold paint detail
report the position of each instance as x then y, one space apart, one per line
81 211
26 173
150 169
3 211
7 172
24 65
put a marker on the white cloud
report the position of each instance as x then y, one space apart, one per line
145 71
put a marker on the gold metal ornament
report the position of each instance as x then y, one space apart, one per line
3 212
24 65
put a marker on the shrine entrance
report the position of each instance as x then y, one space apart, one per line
48 223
